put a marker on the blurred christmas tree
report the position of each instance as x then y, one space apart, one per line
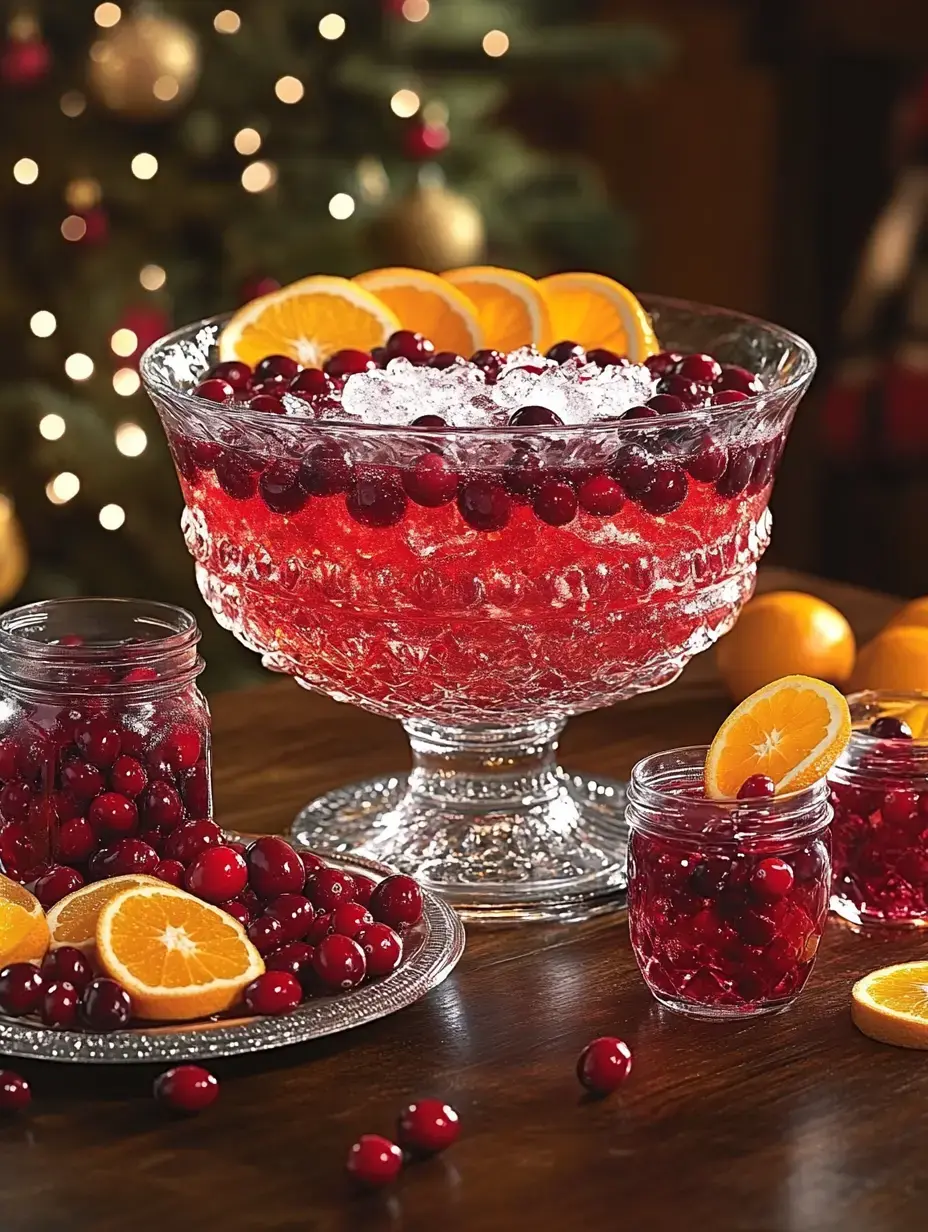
170 162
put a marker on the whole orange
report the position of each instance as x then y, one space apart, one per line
896 659
785 633
914 613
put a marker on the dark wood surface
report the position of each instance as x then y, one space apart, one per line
791 1124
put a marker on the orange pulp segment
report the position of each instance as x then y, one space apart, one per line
891 1005
23 928
598 312
429 305
73 920
513 311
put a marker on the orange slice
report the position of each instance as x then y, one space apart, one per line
512 310
178 957
891 1005
428 304
793 730
917 718
23 929
597 312
308 320
73 920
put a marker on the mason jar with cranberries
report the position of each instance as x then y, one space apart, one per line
104 739
879 790
727 899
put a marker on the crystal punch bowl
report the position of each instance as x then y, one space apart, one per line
449 578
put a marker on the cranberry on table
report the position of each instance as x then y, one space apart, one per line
234 372
319 928
534 417
128 777
701 368
161 805
105 1005
604 1065
112 814
363 888
295 957
339 962
428 1126
186 1088
60 1005
888 727
601 496
348 362
330 886
757 787
383 948
217 875
430 481
374 1161
772 878
214 390
128 855
58 882
67 965
266 934
562 351
274 867
191 838
21 989
484 505
555 503
16 1094
275 366
294 913
171 871
397 901
76 840
274 992
348 919
407 344
236 909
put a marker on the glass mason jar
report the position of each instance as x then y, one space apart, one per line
727 900
879 790
104 736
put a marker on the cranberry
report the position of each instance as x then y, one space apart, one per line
383 948
56 884
295 957
376 498
16 1094
76 840
319 928
154 836
690 392
534 417
888 727
634 467
446 359
233 372
562 351
186 1088
640 412
727 397
312 383
67 965
667 404
129 855
429 421
328 887
205 453
602 357
324 471
397 901
663 363
430 481
214 390
113 815
709 460
735 377
374 1161
236 475
756 927
274 868
294 913
484 505
191 838
196 790
523 476
216 875
9 759
347 362
274 992
899 807
237 910
15 799
766 464
666 491
311 862
266 934
105 1005
60 1006
267 404
604 1065
21 989
275 366
737 473
339 962
428 1126
180 748
348 919
701 368
556 503
406 344
128 777
379 356
281 489
601 496
757 787
162 806
489 362
773 878
81 780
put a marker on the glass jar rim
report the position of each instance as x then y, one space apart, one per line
862 737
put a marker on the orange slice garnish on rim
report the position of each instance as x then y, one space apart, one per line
23 928
308 320
429 305
512 309
178 957
598 312
891 1005
73 919
793 731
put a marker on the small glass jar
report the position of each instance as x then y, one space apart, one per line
727 900
879 790
104 735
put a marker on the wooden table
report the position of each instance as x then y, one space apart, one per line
792 1124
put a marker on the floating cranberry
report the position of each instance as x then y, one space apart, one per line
534 417
128 777
54 885
216 875
601 496
161 805
640 412
296 957
330 886
180 748
691 393
266 934
236 475
663 363
214 390
888 727
430 481
374 1161
363 888
233 372
383 948
281 489
21 989
428 1126
523 476
294 912
191 838
274 868
275 366
75 840
196 790
67 965
602 357
484 505
60 1006
667 490
406 344
339 962
727 397
112 814
186 1088
735 377
701 368
709 461
634 467
9 760
757 787
489 362
376 498
561 352
129 855
604 1065
324 471
312 383
205 454
667 404
397 901
446 359
556 503
347 362
737 473
274 992
429 421
349 919
16 1094
15 799
267 404
772 878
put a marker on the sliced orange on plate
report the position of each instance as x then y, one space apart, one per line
793 731
513 311
891 1005
308 320
598 312
178 957
23 928
73 920
428 304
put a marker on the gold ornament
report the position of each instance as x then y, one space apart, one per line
13 559
432 228
146 66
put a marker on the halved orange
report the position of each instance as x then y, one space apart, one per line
178 957
73 920
308 320
891 1005
598 312
23 928
793 730
428 304
512 309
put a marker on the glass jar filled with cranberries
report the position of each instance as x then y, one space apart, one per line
727 899
879 789
104 738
